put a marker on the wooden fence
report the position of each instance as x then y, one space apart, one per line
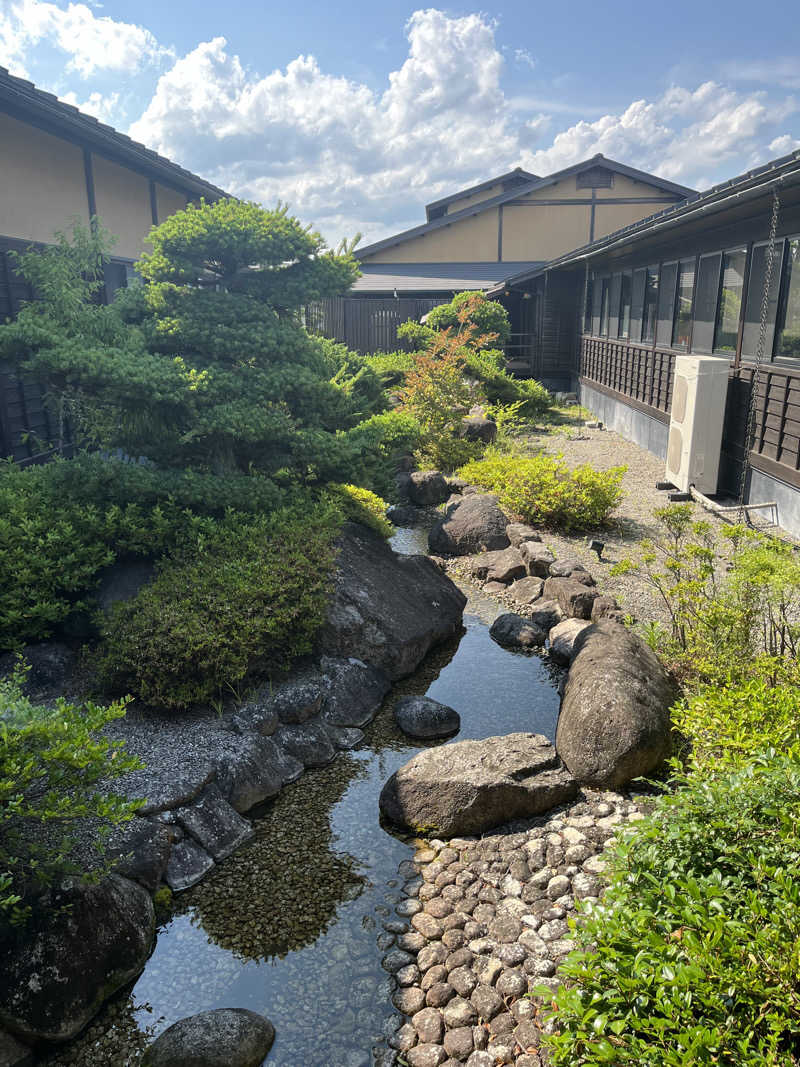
366 324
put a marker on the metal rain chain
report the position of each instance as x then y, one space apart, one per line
762 338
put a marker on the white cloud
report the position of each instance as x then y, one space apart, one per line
102 107
784 144
92 42
524 58
681 135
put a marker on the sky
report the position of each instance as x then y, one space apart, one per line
359 115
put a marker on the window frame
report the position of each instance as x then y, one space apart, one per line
706 351
715 350
620 317
655 269
693 260
661 293
784 361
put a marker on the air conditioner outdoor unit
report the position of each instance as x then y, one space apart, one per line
696 420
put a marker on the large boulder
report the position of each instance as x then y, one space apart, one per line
425 718
614 723
571 568
387 610
504 566
471 524
479 428
427 488
90 941
526 590
537 558
562 640
226 1037
519 532
516 632
470 786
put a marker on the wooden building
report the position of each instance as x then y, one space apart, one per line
613 317
482 235
58 164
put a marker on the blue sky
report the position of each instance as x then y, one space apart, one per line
357 117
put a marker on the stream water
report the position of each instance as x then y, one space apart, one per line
295 924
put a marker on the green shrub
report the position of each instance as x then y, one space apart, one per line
390 367
488 318
361 505
725 724
245 601
359 383
543 491
52 761
732 595
500 387
692 956
53 542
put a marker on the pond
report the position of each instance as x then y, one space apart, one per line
295 924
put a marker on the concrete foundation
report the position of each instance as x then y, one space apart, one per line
652 435
628 422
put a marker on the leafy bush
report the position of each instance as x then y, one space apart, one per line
245 601
361 386
692 957
500 387
361 505
543 491
380 442
488 318
732 595
437 396
391 367
51 763
53 543
726 724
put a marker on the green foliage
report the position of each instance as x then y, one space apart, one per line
727 724
54 541
391 367
731 596
381 441
357 379
692 957
205 367
543 491
437 395
500 387
488 318
245 600
52 761
361 505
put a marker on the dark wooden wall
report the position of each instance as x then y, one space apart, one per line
367 324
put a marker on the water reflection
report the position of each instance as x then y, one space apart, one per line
293 925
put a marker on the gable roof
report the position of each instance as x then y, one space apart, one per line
434 277
518 176
679 191
783 171
23 101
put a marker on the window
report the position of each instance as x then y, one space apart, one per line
613 305
787 333
666 303
650 304
624 322
729 305
604 306
705 302
587 311
684 297
755 294
597 292
637 303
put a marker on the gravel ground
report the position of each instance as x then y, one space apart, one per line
631 522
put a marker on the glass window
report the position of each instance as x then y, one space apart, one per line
755 294
604 306
650 304
624 321
787 341
705 302
729 305
587 311
666 303
596 295
613 305
684 297
637 303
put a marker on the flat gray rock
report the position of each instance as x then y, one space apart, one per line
573 597
518 532
227 1037
188 864
214 824
310 744
422 717
354 691
251 775
526 590
470 786
614 723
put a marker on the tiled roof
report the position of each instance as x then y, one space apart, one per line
434 277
